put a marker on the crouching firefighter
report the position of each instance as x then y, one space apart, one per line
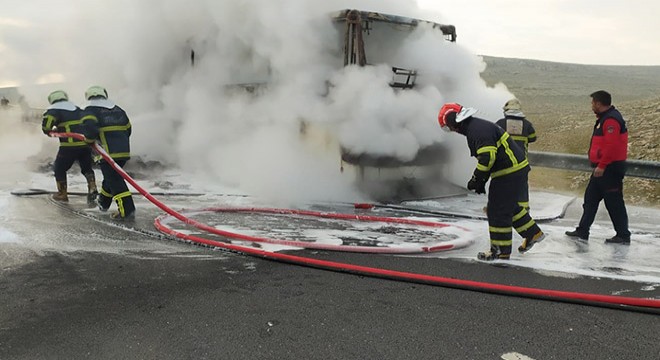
64 116
113 130
504 162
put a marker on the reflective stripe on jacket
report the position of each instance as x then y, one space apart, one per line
114 128
496 152
519 128
67 117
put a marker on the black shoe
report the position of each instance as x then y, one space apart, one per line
528 243
490 256
577 234
617 240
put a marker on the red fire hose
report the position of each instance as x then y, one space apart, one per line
610 301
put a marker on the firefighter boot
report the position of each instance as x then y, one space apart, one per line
125 206
61 194
118 216
92 191
528 243
494 254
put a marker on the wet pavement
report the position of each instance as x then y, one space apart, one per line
72 287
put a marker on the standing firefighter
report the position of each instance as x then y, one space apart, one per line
522 132
500 159
64 116
114 131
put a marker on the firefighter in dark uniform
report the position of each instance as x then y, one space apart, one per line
608 152
113 131
522 132
502 160
64 116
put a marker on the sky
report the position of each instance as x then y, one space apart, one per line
607 32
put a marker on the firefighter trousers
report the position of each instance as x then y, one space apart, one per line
66 156
114 187
504 212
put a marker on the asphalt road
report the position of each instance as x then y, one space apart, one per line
161 299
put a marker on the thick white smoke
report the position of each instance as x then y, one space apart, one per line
283 141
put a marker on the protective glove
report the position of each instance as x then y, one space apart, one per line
477 185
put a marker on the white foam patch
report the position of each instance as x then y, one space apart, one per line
7 236
329 237
561 256
542 205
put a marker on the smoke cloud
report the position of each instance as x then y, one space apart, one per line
281 140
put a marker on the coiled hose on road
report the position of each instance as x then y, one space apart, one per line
609 301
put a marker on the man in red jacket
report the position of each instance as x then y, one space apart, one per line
607 153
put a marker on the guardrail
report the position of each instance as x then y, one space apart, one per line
636 168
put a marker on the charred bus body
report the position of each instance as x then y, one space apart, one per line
367 38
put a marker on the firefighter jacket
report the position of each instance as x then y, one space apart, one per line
496 152
518 127
66 117
609 142
113 128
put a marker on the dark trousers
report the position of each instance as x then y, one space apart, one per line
608 187
523 195
114 187
66 156
504 212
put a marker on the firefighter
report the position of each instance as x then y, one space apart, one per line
608 152
64 116
522 132
113 131
504 162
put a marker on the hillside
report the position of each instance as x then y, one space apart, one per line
555 97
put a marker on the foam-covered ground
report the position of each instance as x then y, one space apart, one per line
557 255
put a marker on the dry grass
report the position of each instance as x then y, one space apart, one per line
555 98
